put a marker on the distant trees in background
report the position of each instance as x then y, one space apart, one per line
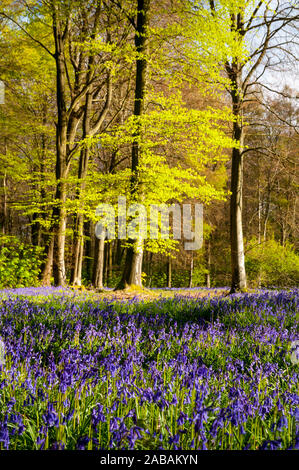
148 100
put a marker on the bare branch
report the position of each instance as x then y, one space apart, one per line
27 33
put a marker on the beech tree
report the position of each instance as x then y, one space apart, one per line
147 36
147 100
77 84
133 265
276 23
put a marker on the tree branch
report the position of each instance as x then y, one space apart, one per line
27 33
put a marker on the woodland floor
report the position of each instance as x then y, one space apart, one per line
150 294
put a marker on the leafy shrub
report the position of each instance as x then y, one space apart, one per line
199 276
272 263
19 263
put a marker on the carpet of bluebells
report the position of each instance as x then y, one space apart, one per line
169 373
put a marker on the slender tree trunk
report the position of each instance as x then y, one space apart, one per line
59 236
236 230
67 125
191 270
259 280
169 271
4 200
110 261
119 253
59 212
89 249
78 249
105 268
208 263
150 270
77 268
76 271
237 244
4 206
133 265
267 212
47 240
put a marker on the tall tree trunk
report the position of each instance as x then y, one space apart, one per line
4 206
236 230
150 269
133 265
78 247
59 214
4 200
169 271
48 267
191 270
47 240
259 280
208 263
98 266
69 117
89 249
237 243
110 262
59 211
119 252
267 211
76 271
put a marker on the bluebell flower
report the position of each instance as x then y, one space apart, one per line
82 442
282 423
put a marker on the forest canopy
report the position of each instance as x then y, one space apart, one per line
161 102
